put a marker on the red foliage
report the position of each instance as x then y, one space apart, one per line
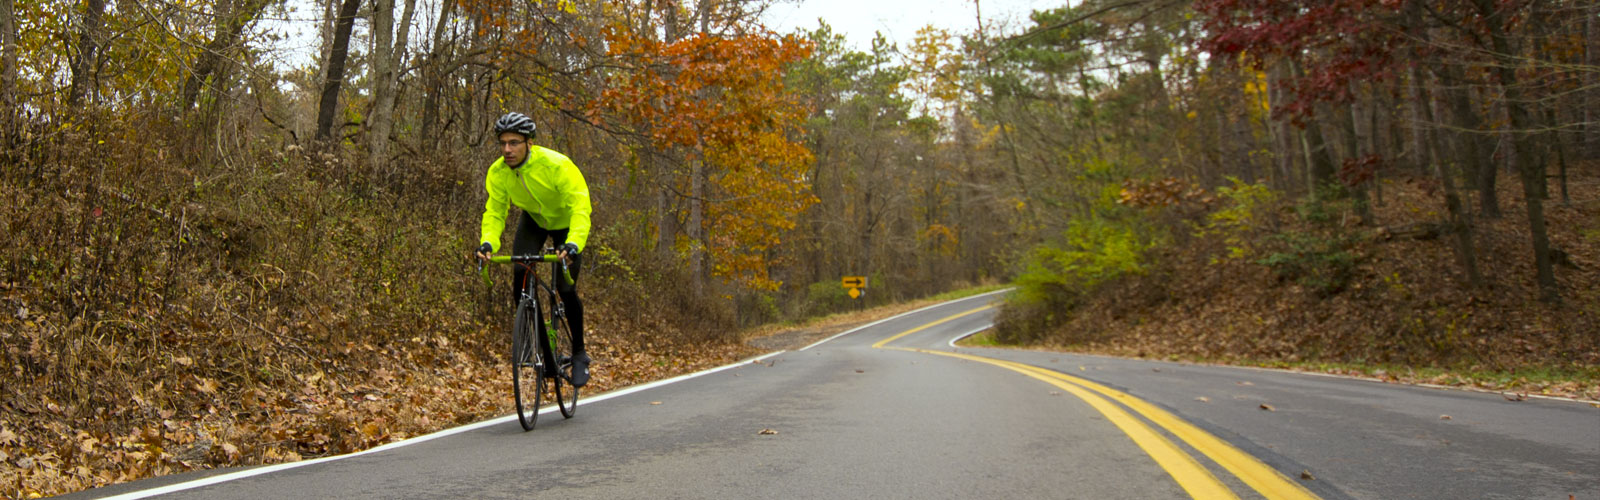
1358 171
1336 43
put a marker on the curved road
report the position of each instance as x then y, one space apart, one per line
891 410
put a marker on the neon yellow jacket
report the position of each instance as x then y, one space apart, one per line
547 186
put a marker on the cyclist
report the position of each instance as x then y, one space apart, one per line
555 204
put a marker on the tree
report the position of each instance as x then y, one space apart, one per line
390 51
9 121
721 99
335 68
1496 18
434 69
232 18
91 40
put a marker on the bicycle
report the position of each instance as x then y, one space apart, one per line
531 368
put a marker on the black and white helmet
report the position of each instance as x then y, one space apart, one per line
515 122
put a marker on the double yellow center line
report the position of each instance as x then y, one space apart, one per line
1189 473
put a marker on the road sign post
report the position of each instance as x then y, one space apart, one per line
855 285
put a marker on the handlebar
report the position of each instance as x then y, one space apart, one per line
566 277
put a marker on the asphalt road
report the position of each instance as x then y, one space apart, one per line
891 410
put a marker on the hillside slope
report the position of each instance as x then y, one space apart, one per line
1398 308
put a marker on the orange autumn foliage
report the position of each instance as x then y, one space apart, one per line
722 101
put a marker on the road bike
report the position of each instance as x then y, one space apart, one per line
541 340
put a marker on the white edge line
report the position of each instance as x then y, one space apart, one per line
969 334
897 316
171 488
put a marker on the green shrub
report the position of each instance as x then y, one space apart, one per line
826 297
1324 265
1246 210
1056 277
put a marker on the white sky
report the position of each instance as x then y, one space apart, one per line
899 20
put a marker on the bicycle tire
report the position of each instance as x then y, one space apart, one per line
562 350
527 374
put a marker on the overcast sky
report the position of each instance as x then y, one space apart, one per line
899 20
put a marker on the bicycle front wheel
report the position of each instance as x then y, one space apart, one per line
566 393
527 367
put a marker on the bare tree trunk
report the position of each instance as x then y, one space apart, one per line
1532 173
1319 164
1473 158
232 19
1353 139
666 211
88 52
433 76
390 52
697 234
1460 224
666 222
1591 81
1550 118
703 14
1284 144
1318 161
670 21
336 60
9 134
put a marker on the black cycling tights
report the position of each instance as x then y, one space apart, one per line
530 239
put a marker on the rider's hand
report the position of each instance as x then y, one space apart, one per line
484 250
568 249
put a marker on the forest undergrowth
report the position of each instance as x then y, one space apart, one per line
1322 291
156 320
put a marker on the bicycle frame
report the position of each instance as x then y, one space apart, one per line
531 314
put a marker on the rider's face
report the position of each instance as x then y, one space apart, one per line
514 148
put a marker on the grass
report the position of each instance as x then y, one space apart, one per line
1573 381
984 338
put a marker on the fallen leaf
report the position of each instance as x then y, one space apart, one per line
767 432
1306 475
655 402
7 437
183 360
1158 370
1514 396
1203 399
86 443
1246 382
1268 407
858 370
206 385
1444 417
1054 393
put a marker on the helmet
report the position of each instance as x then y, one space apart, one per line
514 122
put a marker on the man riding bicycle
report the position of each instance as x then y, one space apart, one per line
555 204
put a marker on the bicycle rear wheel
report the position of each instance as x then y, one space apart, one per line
527 373
566 393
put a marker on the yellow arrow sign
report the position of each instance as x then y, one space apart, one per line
855 281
